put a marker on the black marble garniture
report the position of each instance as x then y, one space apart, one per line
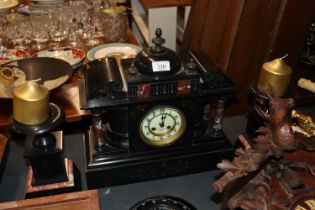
156 80
44 149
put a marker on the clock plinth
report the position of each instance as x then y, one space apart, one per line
114 167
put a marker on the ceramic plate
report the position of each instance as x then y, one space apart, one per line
73 56
6 5
112 49
12 54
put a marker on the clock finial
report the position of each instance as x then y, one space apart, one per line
158 41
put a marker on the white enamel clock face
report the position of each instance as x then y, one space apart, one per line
162 126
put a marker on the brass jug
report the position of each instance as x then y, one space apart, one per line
30 103
276 74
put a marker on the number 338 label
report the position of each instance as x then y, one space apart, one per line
159 66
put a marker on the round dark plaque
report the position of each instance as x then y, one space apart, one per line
163 203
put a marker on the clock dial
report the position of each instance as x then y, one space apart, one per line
162 126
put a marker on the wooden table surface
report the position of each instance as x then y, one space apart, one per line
66 96
88 200
149 4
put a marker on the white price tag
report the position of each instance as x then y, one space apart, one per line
159 66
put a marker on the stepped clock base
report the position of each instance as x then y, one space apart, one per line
123 167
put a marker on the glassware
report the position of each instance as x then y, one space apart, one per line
98 25
27 29
73 37
41 37
14 31
81 15
58 34
77 15
59 29
3 42
115 23
3 35
39 31
13 28
93 22
73 25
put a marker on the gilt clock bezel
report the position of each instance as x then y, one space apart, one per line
173 139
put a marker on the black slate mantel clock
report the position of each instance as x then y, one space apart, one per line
153 116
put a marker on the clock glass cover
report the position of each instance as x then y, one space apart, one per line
162 126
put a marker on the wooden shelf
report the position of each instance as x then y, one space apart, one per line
149 4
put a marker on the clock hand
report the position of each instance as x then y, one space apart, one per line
162 122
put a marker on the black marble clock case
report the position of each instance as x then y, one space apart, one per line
115 154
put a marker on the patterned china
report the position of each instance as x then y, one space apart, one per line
8 55
73 56
124 49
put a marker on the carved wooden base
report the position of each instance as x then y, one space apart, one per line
277 172
51 189
277 185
